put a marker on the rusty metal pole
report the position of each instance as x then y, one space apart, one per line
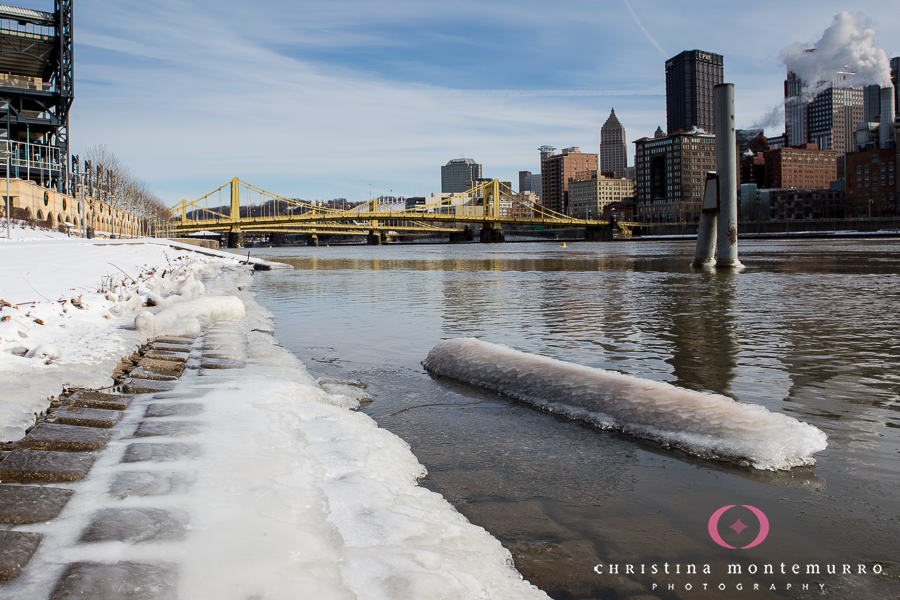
726 169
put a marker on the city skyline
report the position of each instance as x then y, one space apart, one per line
323 100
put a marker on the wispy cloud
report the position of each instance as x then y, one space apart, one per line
194 92
644 30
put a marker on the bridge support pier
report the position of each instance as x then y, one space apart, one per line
492 233
374 238
312 240
598 234
465 235
236 238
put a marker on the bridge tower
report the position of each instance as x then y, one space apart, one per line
492 229
236 236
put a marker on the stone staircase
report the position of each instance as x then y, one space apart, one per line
140 439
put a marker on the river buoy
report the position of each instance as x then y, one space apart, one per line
563 245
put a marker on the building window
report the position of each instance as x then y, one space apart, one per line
882 174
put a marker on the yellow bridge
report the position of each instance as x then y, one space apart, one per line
489 205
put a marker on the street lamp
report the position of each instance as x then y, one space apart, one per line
7 155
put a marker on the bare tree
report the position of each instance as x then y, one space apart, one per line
114 183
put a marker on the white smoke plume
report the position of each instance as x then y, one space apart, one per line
847 46
773 119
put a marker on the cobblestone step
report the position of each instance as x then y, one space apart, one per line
64 438
99 400
146 373
147 386
164 367
29 466
173 348
178 341
119 581
26 504
155 452
135 525
167 355
16 549
221 363
164 428
86 417
186 409
151 483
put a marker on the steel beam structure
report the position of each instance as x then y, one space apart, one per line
37 91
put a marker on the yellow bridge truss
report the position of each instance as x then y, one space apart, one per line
491 204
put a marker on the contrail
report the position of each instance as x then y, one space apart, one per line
644 29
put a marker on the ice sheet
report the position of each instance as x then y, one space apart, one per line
703 424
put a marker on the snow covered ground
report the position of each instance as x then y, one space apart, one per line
292 494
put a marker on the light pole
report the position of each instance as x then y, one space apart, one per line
7 154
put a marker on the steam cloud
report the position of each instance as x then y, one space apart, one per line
847 46
773 119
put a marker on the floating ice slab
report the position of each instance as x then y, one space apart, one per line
702 424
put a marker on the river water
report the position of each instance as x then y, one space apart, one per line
808 328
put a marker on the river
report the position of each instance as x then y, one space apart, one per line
808 328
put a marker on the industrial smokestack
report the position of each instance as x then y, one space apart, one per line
886 129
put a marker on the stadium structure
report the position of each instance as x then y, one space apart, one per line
36 94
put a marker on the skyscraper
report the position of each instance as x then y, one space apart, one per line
459 174
529 182
895 72
556 170
613 146
872 103
828 120
690 79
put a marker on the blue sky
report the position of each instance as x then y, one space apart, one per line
320 99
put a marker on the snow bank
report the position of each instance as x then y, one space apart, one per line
184 317
706 425
68 309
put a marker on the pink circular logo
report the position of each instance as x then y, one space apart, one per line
738 527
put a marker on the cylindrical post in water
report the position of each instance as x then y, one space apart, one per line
706 230
726 168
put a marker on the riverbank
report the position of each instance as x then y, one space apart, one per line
292 494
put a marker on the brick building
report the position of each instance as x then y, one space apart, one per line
873 183
556 170
803 166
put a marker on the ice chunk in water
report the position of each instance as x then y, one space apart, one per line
707 425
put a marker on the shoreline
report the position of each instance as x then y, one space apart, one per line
247 416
